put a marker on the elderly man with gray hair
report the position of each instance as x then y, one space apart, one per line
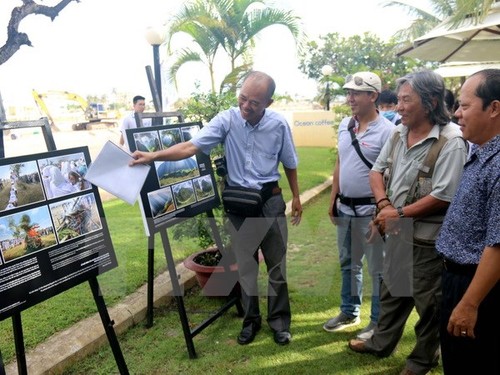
413 181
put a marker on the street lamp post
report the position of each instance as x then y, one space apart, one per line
327 71
156 37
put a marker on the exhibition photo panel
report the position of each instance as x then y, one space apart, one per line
54 235
173 189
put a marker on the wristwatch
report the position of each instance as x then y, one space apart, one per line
400 212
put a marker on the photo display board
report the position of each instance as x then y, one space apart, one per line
53 234
173 189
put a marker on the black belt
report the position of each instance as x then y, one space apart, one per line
460 269
356 201
269 185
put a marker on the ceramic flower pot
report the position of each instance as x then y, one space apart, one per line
218 280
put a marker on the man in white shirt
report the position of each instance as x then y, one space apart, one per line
352 204
129 120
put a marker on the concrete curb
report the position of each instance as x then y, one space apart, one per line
85 337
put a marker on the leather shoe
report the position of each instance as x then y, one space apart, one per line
248 333
282 337
358 346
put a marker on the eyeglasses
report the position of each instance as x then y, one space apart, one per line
358 81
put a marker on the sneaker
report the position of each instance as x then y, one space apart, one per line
367 332
341 322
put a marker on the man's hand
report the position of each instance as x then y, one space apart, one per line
387 220
463 320
333 219
296 211
141 158
374 232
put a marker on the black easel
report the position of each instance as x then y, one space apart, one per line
2 367
233 299
42 123
189 334
22 367
156 117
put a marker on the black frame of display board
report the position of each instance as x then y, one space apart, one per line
54 266
160 182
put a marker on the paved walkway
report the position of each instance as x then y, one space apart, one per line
67 347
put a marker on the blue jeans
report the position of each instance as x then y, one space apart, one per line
353 248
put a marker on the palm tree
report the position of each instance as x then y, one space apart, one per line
228 24
195 20
454 11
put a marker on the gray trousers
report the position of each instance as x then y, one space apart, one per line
271 235
423 278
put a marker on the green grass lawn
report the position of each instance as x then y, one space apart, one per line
314 282
130 245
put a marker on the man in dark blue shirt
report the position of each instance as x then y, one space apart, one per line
469 240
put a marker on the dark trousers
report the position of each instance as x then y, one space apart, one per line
466 355
271 235
423 272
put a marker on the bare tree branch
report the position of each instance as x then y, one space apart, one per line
16 39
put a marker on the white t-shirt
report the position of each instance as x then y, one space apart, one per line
353 173
129 123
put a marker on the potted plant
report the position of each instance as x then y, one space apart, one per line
215 270
214 278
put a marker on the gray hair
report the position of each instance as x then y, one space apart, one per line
429 86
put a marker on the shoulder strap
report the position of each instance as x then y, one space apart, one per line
428 165
355 143
390 162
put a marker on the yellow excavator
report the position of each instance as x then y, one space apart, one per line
96 115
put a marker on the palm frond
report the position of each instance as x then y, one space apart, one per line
466 9
416 11
183 57
231 81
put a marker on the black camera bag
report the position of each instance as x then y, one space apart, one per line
242 201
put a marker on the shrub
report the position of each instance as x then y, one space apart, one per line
205 106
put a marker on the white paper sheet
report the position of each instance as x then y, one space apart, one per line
111 172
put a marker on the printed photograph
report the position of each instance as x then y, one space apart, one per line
171 172
19 185
75 217
161 202
26 232
184 194
189 131
147 141
63 175
170 137
203 187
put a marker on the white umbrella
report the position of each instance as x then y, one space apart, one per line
464 69
469 41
